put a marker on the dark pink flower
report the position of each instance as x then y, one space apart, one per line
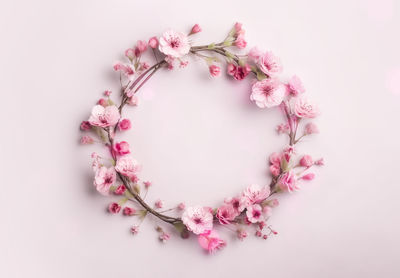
211 241
128 211
120 190
288 181
85 125
124 124
121 148
114 208
226 213
238 72
214 70
153 42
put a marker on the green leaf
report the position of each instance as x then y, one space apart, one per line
211 46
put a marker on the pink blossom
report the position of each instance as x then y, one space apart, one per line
306 161
127 166
238 72
135 178
86 140
159 204
256 194
226 213
282 128
102 102
214 70
104 116
211 241
85 125
104 178
267 93
173 43
126 69
124 124
133 100
240 42
183 64
135 229
288 181
107 93
295 86
288 152
128 211
238 203
254 54
303 108
96 162
164 237
141 46
130 53
275 170
275 158
311 128
147 184
308 177
270 64
320 162
198 219
181 206
170 61
254 213
195 29
153 42
241 234
121 148
120 190
114 208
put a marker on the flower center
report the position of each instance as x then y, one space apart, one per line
256 214
175 43
197 220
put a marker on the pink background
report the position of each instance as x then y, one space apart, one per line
199 139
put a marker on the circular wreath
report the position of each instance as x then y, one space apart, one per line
118 174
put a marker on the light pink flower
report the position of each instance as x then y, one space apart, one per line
127 166
85 140
226 213
270 64
306 161
124 124
238 28
175 44
240 42
275 170
256 194
275 158
105 177
135 229
238 203
211 241
85 125
195 29
181 206
238 72
107 93
102 102
153 42
114 208
288 181
295 86
288 152
121 148
303 108
159 204
282 128
308 177
104 116
126 69
141 46
120 190
147 184
254 213
128 211
267 93
214 70
198 219
254 54
311 128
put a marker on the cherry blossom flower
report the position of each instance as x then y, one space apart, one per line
147 184
121 148
254 54
85 125
270 64
282 128
275 161
288 152
159 204
214 70
303 108
107 93
127 166
254 213
114 208
226 213
198 219
288 181
105 177
85 140
267 93
130 53
120 190
124 124
295 86
153 42
211 241
104 116
141 46
128 211
195 29
135 229
256 194
125 69
306 161
181 206
238 72
320 162
164 237
175 44
238 203
311 128
240 42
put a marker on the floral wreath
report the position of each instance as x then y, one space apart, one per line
249 210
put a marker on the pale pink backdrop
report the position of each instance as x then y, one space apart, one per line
199 139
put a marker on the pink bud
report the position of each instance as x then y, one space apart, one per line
134 229
129 211
231 69
121 148
141 46
124 124
85 125
320 162
114 208
130 53
306 161
265 237
308 177
120 190
195 29
238 27
102 102
147 184
215 70
134 179
181 206
258 233
85 140
153 42
159 204
311 128
107 93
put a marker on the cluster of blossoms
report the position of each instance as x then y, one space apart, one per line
251 209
